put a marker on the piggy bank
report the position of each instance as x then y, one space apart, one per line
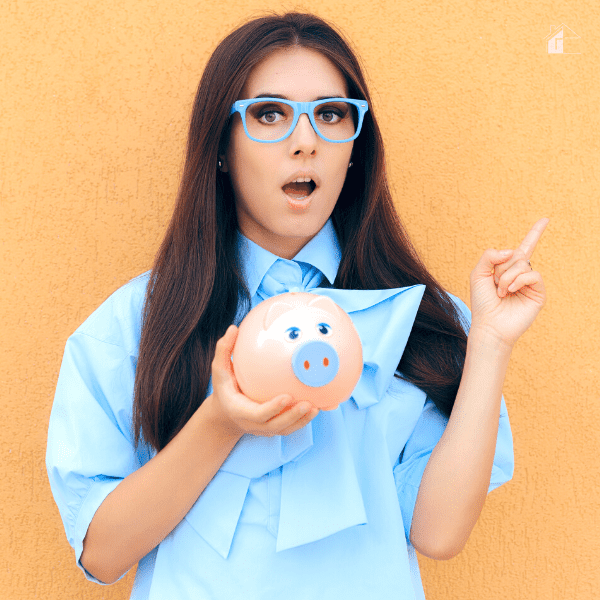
299 344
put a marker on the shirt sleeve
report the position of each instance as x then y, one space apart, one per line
427 432
90 447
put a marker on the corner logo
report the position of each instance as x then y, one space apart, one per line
556 36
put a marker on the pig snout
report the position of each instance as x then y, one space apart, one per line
315 363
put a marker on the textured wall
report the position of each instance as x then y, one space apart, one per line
486 132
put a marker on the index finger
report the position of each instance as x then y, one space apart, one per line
533 237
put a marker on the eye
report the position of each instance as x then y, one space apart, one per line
324 328
269 116
292 334
331 114
269 113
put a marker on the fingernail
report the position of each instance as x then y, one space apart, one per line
505 252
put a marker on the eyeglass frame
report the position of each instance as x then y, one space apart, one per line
301 108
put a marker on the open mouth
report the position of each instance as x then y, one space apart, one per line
299 190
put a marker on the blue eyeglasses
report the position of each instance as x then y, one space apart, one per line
272 120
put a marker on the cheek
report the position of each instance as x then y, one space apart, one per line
340 171
341 157
248 164
250 177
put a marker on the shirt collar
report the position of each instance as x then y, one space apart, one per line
323 252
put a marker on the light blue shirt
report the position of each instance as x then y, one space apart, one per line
324 512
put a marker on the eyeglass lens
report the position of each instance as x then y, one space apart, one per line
271 120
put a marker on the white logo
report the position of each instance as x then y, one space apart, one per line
556 36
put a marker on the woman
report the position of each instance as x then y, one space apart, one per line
155 456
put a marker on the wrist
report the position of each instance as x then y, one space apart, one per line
218 422
485 339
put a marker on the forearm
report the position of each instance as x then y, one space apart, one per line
455 482
147 505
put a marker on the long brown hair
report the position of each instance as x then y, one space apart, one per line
196 284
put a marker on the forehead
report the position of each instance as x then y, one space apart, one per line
297 73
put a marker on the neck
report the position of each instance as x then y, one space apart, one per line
286 247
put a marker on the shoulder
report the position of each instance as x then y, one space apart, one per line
118 320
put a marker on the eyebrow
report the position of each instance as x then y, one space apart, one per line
267 95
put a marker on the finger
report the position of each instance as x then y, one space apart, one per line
518 268
300 423
223 376
254 413
488 261
516 257
221 365
288 420
527 282
532 238
272 408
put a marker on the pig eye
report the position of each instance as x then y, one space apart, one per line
292 334
324 328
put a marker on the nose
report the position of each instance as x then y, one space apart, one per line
304 137
315 363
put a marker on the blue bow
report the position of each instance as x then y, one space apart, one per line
320 494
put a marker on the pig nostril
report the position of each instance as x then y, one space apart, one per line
326 362
306 365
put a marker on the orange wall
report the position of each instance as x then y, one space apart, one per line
485 131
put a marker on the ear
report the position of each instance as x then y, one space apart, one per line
275 311
223 168
325 303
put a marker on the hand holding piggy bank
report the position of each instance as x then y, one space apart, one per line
299 344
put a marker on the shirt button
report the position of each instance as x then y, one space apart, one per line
295 289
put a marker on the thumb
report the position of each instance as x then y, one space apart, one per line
229 337
489 259
222 367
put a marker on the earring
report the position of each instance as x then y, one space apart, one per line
350 165
220 164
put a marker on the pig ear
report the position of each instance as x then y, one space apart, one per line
325 303
276 310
